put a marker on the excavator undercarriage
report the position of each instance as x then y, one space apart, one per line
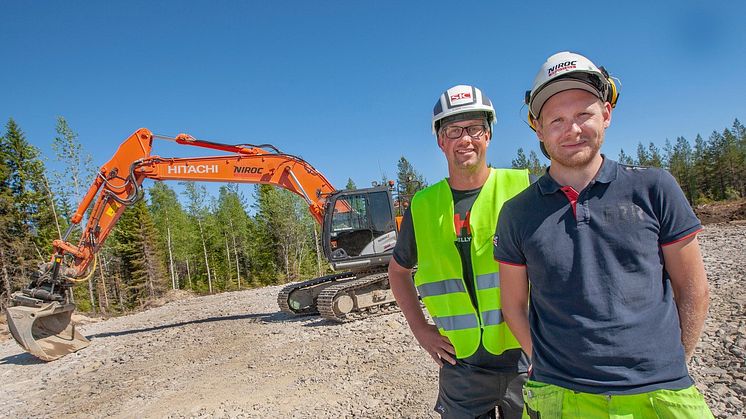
340 297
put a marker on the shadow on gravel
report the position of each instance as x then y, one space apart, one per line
322 322
28 359
21 359
262 317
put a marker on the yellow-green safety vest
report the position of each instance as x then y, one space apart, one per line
439 278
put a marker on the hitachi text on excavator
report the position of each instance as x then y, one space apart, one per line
359 230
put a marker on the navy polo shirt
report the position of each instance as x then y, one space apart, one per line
601 307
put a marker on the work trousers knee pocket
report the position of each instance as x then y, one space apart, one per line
680 404
542 401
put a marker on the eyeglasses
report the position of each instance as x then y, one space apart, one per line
455 132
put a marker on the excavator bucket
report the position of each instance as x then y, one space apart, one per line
45 332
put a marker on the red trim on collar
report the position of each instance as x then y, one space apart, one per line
572 196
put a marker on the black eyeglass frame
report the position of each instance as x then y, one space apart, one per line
469 130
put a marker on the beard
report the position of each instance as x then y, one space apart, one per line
576 159
468 164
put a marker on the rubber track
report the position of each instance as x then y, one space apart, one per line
326 299
284 295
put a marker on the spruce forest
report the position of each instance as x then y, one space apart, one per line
708 170
190 240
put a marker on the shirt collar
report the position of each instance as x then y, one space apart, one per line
607 173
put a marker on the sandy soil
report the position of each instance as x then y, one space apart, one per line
234 355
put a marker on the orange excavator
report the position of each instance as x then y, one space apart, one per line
359 230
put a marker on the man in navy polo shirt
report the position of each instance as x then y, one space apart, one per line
618 292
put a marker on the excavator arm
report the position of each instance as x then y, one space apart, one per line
40 320
118 184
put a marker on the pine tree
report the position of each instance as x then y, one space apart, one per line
739 132
78 169
732 164
28 224
643 156
196 207
681 166
532 162
260 245
521 161
234 224
286 224
535 166
625 159
656 160
175 232
720 175
702 170
6 220
409 181
135 243
73 180
667 153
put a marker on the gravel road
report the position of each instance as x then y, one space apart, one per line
234 356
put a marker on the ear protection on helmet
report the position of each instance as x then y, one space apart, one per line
612 94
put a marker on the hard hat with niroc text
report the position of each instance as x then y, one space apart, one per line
460 103
565 71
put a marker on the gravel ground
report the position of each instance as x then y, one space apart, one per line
234 356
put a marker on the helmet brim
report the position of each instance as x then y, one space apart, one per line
558 86
487 116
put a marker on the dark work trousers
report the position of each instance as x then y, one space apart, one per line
468 392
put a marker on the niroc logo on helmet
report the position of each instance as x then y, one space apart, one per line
459 103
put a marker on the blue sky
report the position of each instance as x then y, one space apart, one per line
350 85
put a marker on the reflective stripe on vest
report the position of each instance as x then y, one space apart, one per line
465 321
441 287
492 317
439 277
490 280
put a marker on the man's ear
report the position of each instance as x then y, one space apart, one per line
538 129
607 114
440 141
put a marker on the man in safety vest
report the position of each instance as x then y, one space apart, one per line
448 235
618 292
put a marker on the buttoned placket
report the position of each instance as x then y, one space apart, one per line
579 202
584 212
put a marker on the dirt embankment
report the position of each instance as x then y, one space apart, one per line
722 212
234 356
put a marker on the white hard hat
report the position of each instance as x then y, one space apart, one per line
460 102
564 71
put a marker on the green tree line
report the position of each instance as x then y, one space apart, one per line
708 169
185 240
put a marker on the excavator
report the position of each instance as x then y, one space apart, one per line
359 231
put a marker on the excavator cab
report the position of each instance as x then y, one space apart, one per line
359 232
359 228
